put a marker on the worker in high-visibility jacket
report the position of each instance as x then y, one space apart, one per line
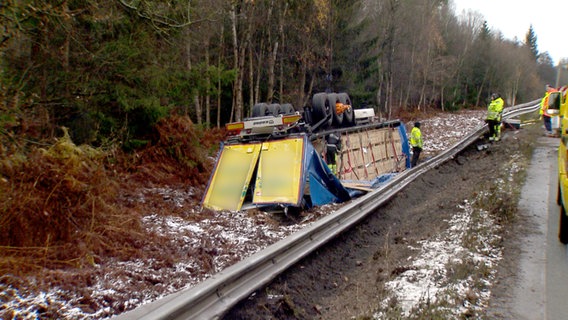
333 147
493 119
544 109
416 143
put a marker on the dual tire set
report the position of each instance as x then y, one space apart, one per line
323 105
273 109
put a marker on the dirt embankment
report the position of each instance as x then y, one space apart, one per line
348 277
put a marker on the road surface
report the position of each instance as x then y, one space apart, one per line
542 289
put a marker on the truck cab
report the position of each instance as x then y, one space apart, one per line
562 196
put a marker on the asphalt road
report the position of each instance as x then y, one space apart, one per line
542 289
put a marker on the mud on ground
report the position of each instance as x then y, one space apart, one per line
346 279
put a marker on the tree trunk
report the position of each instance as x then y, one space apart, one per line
259 72
442 98
480 89
301 85
281 30
251 81
198 110
239 52
66 17
410 84
219 66
425 75
240 79
207 86
271 56
271 75
187 62
236 108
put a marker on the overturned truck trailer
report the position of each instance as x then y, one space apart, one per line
277 158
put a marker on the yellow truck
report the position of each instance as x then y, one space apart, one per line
562 196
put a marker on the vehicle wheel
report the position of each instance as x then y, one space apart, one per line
563 233
332 99
348 115
320 109
287 108
259 110
274 109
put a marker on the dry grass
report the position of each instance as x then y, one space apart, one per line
64 205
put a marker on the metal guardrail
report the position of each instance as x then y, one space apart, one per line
211 298
520 109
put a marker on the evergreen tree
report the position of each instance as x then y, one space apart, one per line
530 42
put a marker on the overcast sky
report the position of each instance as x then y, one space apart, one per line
514 17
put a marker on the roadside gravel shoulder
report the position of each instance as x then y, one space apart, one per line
520 289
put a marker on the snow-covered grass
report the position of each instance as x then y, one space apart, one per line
446 129
433 279
451 274
210 245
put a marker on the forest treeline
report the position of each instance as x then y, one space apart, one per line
108 70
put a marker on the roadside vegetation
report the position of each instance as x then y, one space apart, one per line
63 205
453 274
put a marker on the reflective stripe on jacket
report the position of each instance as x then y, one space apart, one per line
495 109
544 101
416 138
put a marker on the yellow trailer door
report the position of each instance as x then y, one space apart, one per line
280 172
231 178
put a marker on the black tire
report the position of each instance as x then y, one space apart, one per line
332 99
274 109
260 110
563 232
287 108
349 114
320 109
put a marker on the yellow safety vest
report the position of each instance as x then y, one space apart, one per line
495 109
416 138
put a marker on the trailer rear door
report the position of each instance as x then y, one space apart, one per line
228 186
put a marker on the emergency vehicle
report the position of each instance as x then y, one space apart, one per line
562 196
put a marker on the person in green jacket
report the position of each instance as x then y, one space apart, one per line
416 144
493 119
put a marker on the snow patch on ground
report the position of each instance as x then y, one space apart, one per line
441 132
472 239
429 278
231 236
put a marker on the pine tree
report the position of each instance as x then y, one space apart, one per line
530 42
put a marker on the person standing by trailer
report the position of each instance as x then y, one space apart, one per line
333 146
544 104
416 144
494 113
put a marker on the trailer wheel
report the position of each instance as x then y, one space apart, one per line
320 109
274 109
348 115
332 99
287 108
563 232
260 110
